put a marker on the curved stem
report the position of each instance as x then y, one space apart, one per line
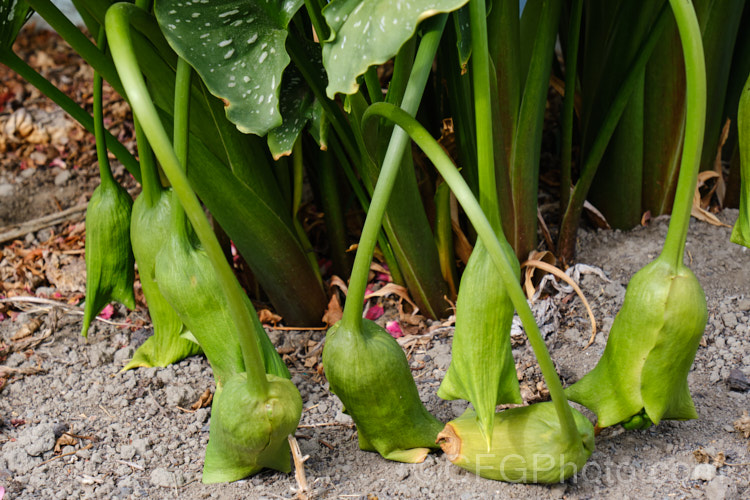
68 105
399 141
463 193
117 24
105 172
695 123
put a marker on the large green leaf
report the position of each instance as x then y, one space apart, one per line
368 32
237 47
13 14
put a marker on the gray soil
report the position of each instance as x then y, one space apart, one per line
141 443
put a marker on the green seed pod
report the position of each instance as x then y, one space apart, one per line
188 281
527 445
482 368
741 231
249 433
110 265
650 349
148 225
368 371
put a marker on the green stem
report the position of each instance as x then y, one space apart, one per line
695 122
572 215
297 182
463 193
150 181
117 23
68 105
568 111
480 69
352 315
373 84
317 19
180 135
105 172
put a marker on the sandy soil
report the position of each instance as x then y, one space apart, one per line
141 444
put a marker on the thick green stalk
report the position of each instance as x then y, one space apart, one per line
317 19
463 193
399 142
68 105
568 111
297 181
695 73
373 84
118 31
480 68
180 135
572 215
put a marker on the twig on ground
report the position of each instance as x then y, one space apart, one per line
88 446
54 303
20 230
303 490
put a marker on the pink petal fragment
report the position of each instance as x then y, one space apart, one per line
383 277
374 312
394 329
107 312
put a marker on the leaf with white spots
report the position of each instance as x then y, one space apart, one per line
369 32
13 14
296 109
237 47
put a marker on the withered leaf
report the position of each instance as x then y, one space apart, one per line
203 401
64 440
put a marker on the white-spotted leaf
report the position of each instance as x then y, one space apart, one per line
237 47
368 32
13 14
296 109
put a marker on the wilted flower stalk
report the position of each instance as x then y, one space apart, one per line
642 375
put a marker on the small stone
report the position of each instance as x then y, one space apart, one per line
178 396
729 319
718 488
442 361
6 190
36 440
342 418
703 472
62 178
122 356
140 446
127 452
744 305
162 477
736 381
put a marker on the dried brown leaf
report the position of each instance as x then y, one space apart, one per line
701 456
742 425
64 440
334 312
27 329
203 401
394 289
266 317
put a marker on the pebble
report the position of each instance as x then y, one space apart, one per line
162 477
6 190
703 472
718 488
62 178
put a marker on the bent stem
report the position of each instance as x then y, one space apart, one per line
463 193
105 172
352 316
117 24
695 122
